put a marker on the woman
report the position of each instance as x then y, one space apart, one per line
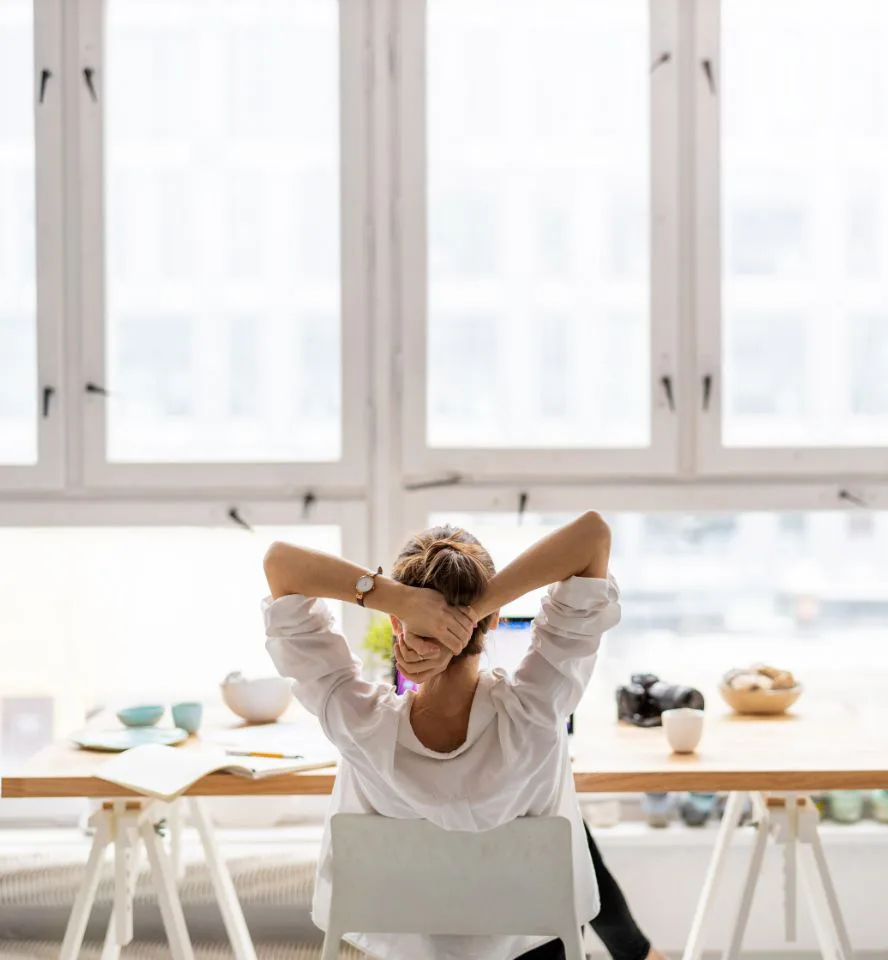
469 750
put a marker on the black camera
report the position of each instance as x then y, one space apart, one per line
643 700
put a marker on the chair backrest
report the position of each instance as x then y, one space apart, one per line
409 876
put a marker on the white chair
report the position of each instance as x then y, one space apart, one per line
409 876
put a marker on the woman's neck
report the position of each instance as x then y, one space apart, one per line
451 693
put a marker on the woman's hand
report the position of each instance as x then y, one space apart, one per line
419 660
426 613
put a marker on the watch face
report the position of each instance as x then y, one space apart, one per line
365 584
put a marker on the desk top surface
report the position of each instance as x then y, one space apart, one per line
820 746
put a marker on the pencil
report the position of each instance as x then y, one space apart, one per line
257 753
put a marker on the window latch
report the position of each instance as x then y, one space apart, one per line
308 501
710 75
852 498
450 480
44 80
88 75
707 390
95 388
666 384
235 517
48 393
522 506
664 57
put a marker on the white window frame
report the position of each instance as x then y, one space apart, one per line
349 515
420 460
641 498
48 472
713 458
350 471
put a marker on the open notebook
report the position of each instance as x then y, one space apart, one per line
167 772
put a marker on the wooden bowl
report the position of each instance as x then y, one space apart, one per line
760 702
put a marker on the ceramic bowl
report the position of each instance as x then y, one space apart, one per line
760 702
142 716
258 701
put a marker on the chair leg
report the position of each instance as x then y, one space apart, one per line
332 940
573 943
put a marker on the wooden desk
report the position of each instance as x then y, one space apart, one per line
819 747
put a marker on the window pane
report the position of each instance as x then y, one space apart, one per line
18 289
706 592
805 222
222 164
538 223
150 613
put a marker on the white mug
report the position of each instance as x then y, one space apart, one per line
684 728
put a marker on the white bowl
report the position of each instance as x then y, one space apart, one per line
258 701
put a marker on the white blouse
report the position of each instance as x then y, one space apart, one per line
514 761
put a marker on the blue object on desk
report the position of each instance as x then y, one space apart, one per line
188 716
116 741
145 716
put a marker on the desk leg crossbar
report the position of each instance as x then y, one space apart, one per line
791 821
128 826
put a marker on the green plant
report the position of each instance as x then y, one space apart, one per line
378 643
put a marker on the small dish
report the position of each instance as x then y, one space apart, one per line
116 741
142 716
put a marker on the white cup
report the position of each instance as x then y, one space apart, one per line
684 728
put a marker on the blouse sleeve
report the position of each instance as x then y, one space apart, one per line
305 644
554 674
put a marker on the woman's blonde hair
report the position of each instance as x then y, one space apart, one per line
453 562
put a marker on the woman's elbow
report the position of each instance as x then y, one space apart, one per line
273 556
279 567
595 525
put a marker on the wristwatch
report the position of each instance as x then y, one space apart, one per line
364 585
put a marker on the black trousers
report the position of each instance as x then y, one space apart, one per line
614 925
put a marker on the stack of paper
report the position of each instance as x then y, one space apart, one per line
167 772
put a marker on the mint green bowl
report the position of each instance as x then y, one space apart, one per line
142 716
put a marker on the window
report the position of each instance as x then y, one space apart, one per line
804 209
137 612
703 592
222 154
18 255
216 156
538 249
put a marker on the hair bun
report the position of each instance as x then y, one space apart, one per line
442 546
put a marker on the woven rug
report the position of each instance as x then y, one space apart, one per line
275 881
160 951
